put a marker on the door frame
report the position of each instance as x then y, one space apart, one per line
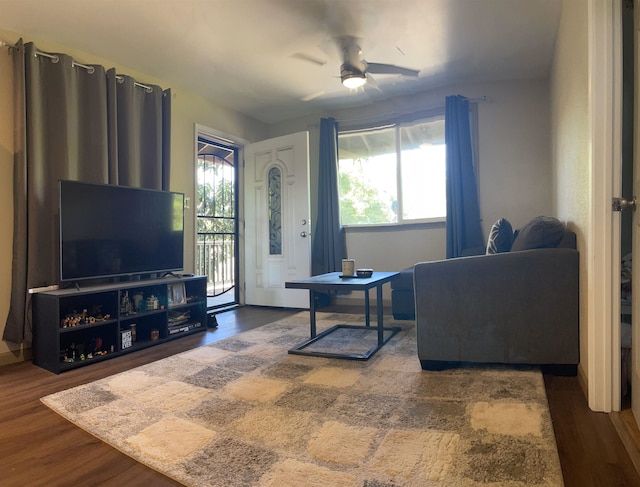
239 144
603 249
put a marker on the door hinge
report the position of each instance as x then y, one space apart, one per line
620 204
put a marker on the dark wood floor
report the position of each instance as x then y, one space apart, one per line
39 448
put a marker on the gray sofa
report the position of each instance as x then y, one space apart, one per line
403 305
519 306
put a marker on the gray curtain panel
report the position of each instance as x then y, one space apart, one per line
137 126
72 130
328 247
18 310
464 230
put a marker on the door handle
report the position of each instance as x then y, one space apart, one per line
620 204
304 234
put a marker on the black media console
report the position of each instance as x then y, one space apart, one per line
80 326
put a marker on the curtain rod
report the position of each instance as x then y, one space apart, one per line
90 69
383 116
8 45
147 88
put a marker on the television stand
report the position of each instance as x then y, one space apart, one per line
76 326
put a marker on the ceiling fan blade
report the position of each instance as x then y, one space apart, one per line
309 58
312 96
379 68
371 82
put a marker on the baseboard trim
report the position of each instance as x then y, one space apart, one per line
582 381
17 356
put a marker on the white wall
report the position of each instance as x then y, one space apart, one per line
514 167
570 143
515 153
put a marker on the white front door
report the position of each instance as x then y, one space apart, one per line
277 232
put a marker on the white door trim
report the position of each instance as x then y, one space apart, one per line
239 143
603 281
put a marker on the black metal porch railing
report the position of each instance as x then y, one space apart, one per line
215 258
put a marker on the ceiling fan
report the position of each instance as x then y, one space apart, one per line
355 70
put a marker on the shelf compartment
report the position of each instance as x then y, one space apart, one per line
94 306
85 342
140 299
141 316
184 328
64 366
147 326
71 329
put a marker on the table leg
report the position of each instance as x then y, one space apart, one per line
367 311
312 312
380 309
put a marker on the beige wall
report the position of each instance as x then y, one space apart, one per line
570 142
514 167
187 110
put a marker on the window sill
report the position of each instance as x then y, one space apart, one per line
394 227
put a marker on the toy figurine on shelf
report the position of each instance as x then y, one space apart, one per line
70 321
152 303
84 318
95 346
70 353
96 313
125 304
138 302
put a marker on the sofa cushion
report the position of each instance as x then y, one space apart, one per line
404 281
500 237
541 232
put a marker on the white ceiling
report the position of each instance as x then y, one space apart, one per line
245 54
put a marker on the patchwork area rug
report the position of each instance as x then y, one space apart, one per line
244 412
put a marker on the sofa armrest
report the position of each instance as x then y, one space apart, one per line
517 307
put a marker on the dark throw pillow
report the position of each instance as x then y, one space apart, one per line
540 233
500 237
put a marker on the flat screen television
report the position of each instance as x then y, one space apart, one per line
115 231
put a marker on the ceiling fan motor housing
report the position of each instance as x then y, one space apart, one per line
354 68
354 72
353 61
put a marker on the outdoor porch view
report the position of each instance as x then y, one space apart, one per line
216 221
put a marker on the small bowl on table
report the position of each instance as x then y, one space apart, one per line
364 273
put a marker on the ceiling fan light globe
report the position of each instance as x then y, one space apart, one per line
353 80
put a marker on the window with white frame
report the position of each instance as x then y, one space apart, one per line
393 174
